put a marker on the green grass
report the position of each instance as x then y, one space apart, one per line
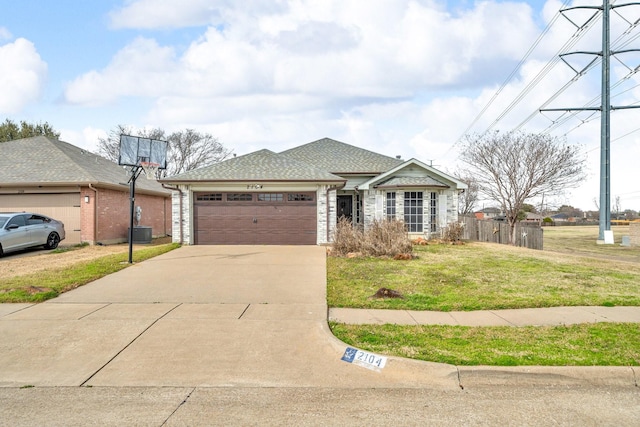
48 284
481 276
572 270
601 344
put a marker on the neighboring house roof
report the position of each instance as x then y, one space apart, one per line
490 210
263 165
46 161
340 158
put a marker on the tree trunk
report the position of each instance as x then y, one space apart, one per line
512 233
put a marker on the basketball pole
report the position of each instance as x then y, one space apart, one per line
132 199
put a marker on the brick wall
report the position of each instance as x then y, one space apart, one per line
113 215
87 215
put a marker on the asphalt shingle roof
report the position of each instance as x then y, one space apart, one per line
263 165
340 158
42 160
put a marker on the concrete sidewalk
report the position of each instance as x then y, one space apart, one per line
552 316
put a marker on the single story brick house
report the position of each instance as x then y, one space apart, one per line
87 192
296 196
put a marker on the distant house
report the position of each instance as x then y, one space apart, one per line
85 191
560 217
533 218
298 195
488 213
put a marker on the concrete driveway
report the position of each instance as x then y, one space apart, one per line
197 316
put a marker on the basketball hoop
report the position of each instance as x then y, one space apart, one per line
150 169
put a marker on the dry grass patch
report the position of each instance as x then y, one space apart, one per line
581 241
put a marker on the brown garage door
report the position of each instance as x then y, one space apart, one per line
255 218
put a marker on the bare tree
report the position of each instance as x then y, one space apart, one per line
189 150
512 168
109 147
467 200
186 150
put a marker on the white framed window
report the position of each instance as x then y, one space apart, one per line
413 205
433 212
390 206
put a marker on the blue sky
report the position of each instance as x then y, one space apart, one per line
400 77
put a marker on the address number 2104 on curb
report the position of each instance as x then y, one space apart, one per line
362 358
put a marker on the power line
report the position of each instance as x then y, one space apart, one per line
514 71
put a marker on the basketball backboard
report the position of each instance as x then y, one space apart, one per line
135 149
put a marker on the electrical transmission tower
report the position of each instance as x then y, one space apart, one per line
605 109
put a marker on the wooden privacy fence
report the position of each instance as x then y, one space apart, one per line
528 235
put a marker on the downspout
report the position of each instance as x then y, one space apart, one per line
180 209
95 213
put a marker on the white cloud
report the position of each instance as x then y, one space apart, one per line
86 138
22 75
333 49
142 68
5 34
163 14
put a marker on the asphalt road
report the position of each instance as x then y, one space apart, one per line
514 405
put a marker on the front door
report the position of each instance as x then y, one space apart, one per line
345 207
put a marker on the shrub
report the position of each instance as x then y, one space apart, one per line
382 238
347 238
453 232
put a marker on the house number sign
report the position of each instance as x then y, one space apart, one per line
364 359
254 186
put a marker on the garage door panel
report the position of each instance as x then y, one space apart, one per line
64 207
256 222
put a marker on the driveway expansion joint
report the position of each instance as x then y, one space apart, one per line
244 311
128 345
94 311
179 406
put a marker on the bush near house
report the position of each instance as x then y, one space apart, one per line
381 239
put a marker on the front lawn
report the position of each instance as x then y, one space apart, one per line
482 276
599 344
50 283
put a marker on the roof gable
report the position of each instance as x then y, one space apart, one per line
340 158
396 178
262 165
42 160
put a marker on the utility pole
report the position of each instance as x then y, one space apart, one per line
605 129
605 111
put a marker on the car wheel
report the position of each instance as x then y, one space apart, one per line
52 241
1 253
